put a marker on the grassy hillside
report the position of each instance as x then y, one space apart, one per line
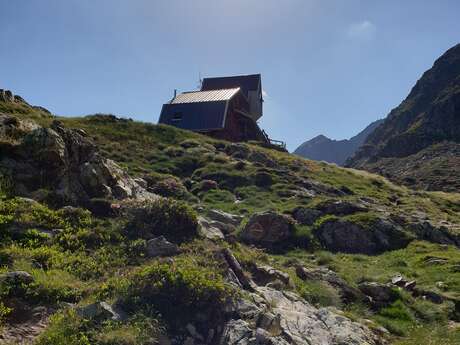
92 258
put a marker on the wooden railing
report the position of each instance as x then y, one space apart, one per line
278 143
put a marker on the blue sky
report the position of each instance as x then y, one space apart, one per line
327 67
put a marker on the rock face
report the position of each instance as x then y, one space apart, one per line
16 278
7 97
274 317
380 295
63 161
209 230
268 229
418 143
159 246
375 237
266 275
322 148
305 215
340 207
101 311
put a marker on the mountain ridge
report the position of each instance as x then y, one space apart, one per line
429 115
323 148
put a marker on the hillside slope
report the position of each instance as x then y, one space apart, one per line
322 148
418 143
114 231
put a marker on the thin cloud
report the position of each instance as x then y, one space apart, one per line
264 94
364 30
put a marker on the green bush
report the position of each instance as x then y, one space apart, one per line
177 291
171 218
170 187
65 328
4 312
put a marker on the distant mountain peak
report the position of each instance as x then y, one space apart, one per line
323 148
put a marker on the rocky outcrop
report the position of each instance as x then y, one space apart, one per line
340 207
218 224
8 96
438 234
269 316
224 217
380 295
64 162
160 246
210 229
102 311
268 229
16 278
373 237
264 275
305 215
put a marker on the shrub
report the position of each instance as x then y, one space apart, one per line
139 331
171 218
178 291
33 238
170 187
4 312
65 328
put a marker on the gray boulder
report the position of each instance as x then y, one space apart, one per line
160 246
305 215
236 332
268 229
224 217
209 230
340 207
374 237
101 311
16 277
425 230
380 295
264 274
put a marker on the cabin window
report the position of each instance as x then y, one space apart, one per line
176 117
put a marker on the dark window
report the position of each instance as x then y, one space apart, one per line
176 117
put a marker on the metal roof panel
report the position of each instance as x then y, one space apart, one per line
205 96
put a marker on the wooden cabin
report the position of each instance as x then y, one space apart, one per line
225 108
